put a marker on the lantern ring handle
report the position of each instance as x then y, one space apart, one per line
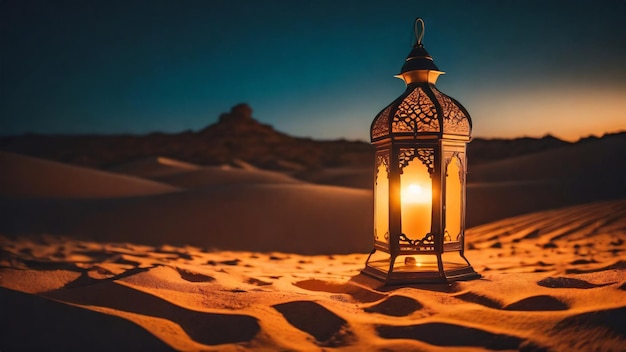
419 31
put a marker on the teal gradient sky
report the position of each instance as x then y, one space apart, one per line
322 69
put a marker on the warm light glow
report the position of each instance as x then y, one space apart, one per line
416 199
412 261
564 115
381 205
416 193
420 76
454 199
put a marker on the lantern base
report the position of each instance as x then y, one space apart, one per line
413 272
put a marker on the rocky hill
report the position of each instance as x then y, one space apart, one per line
238 136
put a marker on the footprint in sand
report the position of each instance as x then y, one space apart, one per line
175 252
397 306
620 264
537 303
582 262
232 262
126 259
257 282
274 257
358 293
87 278
481 299
62 327
326 327
534 303
611 320
567 282
448 335
193 276
203 327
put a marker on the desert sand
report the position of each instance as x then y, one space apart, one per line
175 256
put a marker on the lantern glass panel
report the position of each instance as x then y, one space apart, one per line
413 263
416 199
452 260
381 205
454 200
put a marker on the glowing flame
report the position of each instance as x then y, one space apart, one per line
415 193
412 261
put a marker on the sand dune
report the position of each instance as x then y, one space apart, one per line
32 323
181 174
154 167
298 218
577 239
362 178
572 174
595 161
552 280
246 209
24 176
555 178
224 176
253 260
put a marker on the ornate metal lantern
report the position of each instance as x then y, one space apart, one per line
419 187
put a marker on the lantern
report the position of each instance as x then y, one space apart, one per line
419 182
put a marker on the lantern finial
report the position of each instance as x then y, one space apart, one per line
419 66
419 31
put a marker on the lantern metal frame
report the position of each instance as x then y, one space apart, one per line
426 126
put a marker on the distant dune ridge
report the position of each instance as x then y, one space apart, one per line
23 176
573 174
155 166
212 207
237 135
261 248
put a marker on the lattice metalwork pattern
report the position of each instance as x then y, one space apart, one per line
425 155
428 240
415 114
381 125
382 158
454 120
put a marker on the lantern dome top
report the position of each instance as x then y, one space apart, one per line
419 59
419 65
422 110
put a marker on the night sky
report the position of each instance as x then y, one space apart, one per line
321 69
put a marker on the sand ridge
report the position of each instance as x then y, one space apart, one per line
193 298
253 260
226 208
24 176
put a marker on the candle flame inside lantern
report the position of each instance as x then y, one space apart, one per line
416 193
